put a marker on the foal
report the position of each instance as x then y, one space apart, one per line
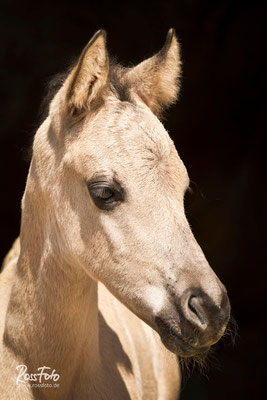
106 285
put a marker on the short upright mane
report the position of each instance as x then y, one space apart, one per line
52 87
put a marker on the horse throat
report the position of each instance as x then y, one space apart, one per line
52 317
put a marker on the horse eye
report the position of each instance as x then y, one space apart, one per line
102 193
106 194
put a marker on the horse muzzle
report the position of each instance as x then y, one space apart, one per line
193 323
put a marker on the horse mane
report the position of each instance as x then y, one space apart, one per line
52 87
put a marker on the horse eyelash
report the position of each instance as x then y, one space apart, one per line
190 190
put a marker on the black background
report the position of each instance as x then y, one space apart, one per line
217 126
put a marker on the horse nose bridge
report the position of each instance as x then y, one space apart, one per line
180 239
193 269
189 266
188 240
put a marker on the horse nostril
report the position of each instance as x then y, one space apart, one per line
196 311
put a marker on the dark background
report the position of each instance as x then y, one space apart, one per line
217 127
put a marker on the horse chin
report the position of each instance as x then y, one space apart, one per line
183 349
175 343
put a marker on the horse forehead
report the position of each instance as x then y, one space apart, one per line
131 128
129 140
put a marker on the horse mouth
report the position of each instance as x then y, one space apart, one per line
174 342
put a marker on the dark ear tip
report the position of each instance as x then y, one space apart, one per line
100 32
171 33
103 32
168 42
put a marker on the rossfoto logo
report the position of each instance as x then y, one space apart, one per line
44 377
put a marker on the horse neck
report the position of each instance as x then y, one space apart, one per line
52 318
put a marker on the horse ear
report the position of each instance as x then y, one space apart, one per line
89 76
156 80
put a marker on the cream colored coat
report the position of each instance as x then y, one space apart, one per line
83 290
